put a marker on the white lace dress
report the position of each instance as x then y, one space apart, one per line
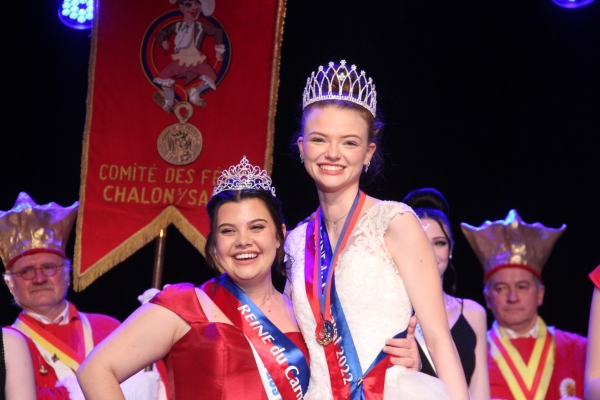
374 301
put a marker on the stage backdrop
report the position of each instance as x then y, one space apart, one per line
178 91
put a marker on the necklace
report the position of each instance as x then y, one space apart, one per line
265 302
336 221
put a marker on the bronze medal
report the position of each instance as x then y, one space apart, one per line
180 144
325 332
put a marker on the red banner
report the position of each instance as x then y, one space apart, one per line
178 91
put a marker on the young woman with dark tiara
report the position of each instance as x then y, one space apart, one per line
235 337
466 318
359 268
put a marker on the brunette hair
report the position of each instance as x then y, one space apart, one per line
430 203
272 204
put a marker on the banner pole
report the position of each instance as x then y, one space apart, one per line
157 270
159 259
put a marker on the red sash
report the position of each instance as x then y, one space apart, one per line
54 345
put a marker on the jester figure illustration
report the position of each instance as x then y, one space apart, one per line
188 60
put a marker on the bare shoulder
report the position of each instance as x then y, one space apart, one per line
211 310
13 338
205 302
405 224
474 313
471 306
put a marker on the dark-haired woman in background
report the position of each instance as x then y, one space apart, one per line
466 318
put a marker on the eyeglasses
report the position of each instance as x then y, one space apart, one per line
28 273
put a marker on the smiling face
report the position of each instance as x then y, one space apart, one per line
439 242
513 295
191 10
246 241
43 295
335 146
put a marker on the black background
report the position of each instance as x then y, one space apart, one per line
495 103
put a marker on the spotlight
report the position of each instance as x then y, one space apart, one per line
572 3
76 14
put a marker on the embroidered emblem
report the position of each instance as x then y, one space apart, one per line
567 387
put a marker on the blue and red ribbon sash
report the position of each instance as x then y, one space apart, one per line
345 372
284 361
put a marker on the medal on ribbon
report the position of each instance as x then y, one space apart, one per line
181 143
347 378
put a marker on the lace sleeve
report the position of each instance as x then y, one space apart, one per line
388 210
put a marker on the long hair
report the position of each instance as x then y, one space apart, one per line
430 203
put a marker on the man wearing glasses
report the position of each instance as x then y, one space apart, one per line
32 246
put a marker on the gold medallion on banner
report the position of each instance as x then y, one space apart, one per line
180 144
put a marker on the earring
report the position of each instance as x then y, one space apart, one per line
301 159
367 166
450 257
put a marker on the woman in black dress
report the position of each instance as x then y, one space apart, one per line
466 318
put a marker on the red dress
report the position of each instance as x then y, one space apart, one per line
595 276
213 360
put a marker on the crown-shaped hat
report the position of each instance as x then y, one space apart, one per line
512 243
244 176
337 82
30 228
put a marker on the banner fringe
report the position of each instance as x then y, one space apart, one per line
84 158
274 86
169 215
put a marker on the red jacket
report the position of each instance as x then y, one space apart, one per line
569 362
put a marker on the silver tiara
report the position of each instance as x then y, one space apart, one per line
361 89
244 176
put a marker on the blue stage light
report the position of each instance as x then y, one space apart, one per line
76 14
572 3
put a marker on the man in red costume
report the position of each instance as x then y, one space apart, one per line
527 360
32 247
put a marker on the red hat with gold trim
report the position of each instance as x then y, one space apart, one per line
512 243
29 228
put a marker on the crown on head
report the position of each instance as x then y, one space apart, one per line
244 176
340 83
512 243
29 228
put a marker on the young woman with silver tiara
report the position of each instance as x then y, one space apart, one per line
235 337
467 319
359 268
